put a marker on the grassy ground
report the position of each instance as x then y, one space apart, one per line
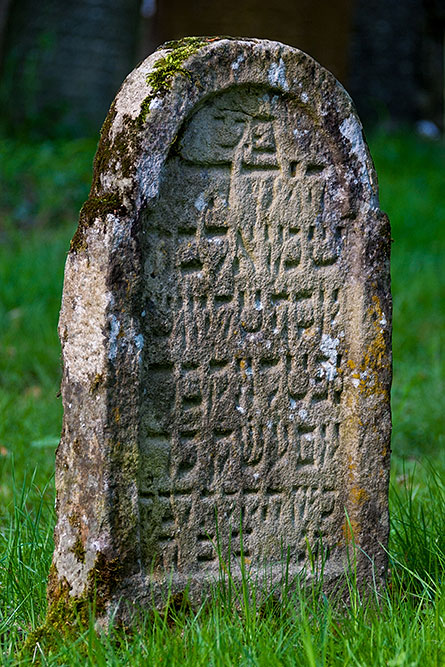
44 185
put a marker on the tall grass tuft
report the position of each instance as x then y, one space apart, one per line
26 546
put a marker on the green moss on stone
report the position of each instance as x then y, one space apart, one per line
66 617
78 550
102 579
98 379
165 69
95 207
69 616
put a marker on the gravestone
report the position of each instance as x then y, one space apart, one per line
225 328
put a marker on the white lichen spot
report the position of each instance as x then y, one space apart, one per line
269 424
155 104
302 414
293 403
329 348
240 409
352 131
329 370
258 304
200 202
139 341
238 61
304 97
143 314
308 436
115 327
355 382
277 75
383 321
256 475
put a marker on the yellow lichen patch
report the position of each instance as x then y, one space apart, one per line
352 467
309 333
375 359
117 415
351 365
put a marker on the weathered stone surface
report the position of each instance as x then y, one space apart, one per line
226 330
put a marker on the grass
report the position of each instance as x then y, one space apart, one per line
44 187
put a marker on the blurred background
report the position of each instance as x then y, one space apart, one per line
62 61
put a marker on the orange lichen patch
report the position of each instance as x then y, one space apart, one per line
351 530
358 496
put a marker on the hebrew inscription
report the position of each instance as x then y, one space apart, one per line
242 386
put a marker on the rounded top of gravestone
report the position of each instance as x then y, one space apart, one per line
159 95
